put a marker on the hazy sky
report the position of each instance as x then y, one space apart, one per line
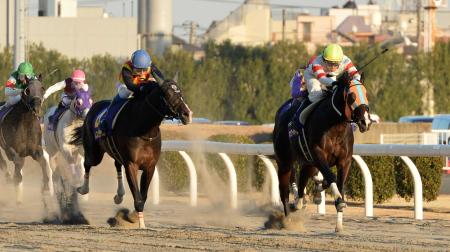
201 11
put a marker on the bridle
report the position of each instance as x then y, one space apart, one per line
347 107
26 102
172 109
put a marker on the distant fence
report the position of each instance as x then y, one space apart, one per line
262 150
433 137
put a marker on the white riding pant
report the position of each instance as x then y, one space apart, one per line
315 91
123 91
13 96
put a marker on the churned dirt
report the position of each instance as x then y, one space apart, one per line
175 226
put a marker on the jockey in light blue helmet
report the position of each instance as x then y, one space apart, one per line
135 73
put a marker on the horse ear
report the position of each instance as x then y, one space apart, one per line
175 78
351 98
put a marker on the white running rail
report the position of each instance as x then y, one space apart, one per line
263 150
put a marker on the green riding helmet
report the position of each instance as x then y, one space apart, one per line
26 69
333 53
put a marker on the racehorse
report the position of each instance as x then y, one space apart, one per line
21 136
329 137
68 170
135 141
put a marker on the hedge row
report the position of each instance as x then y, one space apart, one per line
390 175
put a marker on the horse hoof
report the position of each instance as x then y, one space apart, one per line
340 204
84 198
293 207
118 199
81 191
317 199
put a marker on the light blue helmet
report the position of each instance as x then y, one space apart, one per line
141 59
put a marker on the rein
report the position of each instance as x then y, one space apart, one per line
29 106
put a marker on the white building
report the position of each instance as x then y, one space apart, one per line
250 25
88 33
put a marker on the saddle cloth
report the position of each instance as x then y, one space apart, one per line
109 115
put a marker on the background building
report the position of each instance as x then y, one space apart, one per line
247 25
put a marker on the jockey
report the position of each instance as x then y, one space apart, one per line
70 86
135 74
322 71
17 82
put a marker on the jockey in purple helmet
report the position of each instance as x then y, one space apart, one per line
135 73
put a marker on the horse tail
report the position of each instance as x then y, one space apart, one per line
77 136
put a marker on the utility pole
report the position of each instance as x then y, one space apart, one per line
142 27
19 37
7 24
430 27
283 28
419 24
132 8
192 32
123 8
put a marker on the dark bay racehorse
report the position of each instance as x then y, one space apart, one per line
136 139
329 136
21 136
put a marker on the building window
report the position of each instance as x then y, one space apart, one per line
307 32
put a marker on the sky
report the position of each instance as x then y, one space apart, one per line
201 11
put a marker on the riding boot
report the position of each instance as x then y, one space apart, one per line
295 123
53 119
104 122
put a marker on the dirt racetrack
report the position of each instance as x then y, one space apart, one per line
174 226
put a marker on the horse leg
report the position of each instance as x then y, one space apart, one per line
294 187
284 174
79 166
318 187
146 178
131 171
84 189
44 162
4 168
343 168
305 173
18 165
118 198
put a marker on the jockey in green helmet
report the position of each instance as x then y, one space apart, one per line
17 82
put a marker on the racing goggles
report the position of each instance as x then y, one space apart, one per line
332 64
23 76
139 71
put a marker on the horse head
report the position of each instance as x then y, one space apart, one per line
174 99
32 96
357 105
81 103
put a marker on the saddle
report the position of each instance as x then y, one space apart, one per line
4 111
296 129
106 119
